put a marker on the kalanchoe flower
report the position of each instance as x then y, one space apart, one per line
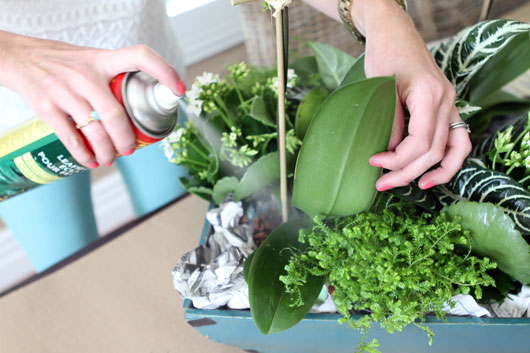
238 71
292 142
292 78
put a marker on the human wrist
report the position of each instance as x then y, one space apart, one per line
369 15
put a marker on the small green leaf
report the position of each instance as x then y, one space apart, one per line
260 174
333 176
201 191
305 67
259 111
270 305
494 235
224 187
356 72
307 108
333 63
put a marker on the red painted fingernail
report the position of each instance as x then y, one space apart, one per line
384 188
428 186
181 88
375 164
93 165
129 152
108 164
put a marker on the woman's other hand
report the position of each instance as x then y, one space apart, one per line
394 47
60 81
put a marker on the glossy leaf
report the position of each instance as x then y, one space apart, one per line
263 172
356 72
494 236
508 63
333 63
260 112
246 267
307 108
270 305
464 55
222 188
420 197
475 182
333 176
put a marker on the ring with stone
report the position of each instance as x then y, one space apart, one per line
93 117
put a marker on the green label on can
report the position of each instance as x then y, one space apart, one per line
32 155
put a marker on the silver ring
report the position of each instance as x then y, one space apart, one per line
459 124
93 117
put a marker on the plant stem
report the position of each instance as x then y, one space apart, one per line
199 151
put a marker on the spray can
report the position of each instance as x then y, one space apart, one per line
32 155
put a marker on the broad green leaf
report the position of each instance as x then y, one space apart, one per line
201 191
464 55
475 182
508 63
333 176
222 188
307 108
270 305
494 236
263 172
356 72
306 68
260 112
333 63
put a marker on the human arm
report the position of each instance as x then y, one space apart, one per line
394 47
60 80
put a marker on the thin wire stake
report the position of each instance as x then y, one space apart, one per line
280 61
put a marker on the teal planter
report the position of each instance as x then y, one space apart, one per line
321 333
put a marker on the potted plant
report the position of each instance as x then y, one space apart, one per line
388 258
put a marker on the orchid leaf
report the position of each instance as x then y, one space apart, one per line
333 176
333 63
270 304
494 235
222 188
475 182
307 108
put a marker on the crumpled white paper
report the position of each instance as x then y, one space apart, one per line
466 305
211 276
514 305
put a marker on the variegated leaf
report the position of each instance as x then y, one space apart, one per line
465 110
419 197
463 55
474 182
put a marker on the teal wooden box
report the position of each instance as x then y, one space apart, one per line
321 333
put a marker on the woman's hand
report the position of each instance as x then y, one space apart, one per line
60 81
394 47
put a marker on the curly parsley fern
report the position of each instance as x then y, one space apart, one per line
395 262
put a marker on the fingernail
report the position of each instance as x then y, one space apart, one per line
181 88
93 165
384 188
129 152
428 186
108 164
375 164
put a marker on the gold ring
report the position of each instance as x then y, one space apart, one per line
93 117
459 124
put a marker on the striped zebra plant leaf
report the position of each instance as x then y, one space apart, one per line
422 198
462 56
474 182
465 109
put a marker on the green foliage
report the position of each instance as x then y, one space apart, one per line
272 308
394 261
333 64
333 176
493 234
